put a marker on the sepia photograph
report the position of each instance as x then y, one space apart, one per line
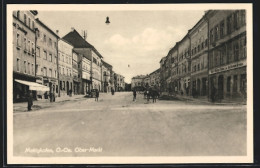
102 84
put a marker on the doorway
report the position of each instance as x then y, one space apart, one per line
220 86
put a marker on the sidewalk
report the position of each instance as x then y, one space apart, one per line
44 103
205 100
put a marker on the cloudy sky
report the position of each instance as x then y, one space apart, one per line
135 38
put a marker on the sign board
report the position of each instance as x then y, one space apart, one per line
85 75
235 65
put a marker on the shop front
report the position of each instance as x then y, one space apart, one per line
230 81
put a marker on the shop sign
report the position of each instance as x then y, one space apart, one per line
86 75
228 67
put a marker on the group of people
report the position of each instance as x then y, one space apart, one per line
150 93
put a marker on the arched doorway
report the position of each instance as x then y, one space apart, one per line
220 86
67 87
198 87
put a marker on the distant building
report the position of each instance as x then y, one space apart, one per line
75 73
119 82
65 67
89 52
138 81
106 76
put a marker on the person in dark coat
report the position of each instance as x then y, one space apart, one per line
134 95
30 101
213 93
153 94
97 95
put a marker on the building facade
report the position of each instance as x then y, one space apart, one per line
47 58
106 76
227 53
75 73
199 57
65 67
23 53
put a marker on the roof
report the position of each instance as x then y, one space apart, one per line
82 52
107 64
46 27
77 41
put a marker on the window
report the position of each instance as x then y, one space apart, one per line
25 19
29 47
211 36
229 52
33 52
24 63
236 51
33 26
38 51
67 59
50 57
62 58
44 55
18 15
29 67
50 72
236 20
18 64
243 17
55 59
29 22
67 72
198 66
59 57
24 43
235 84
36 69
222 55
44 71
32 69
44 38
18 40
216 33
222 28
50 42
63 71
55 45
55 74
59 70
206 42
229 24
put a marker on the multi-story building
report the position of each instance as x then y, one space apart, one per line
119 82
147 81
89 52
47 57
65 67
155 79
84 71
174 68
199 57
184 65
75 73
23 53
106 76
137 81
162 74
227 53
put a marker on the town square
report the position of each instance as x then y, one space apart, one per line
130 83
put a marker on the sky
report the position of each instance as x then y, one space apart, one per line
134 42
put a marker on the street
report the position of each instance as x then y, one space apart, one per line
117 126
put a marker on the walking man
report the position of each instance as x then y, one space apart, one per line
30 101
134 95
97 95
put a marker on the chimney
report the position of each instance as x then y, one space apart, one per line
57 32
72 29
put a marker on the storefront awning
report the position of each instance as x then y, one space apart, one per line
33 85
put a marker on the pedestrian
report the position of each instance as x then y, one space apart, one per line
97 95
213 94
153 96
148 95
30 101
134 95
145 94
